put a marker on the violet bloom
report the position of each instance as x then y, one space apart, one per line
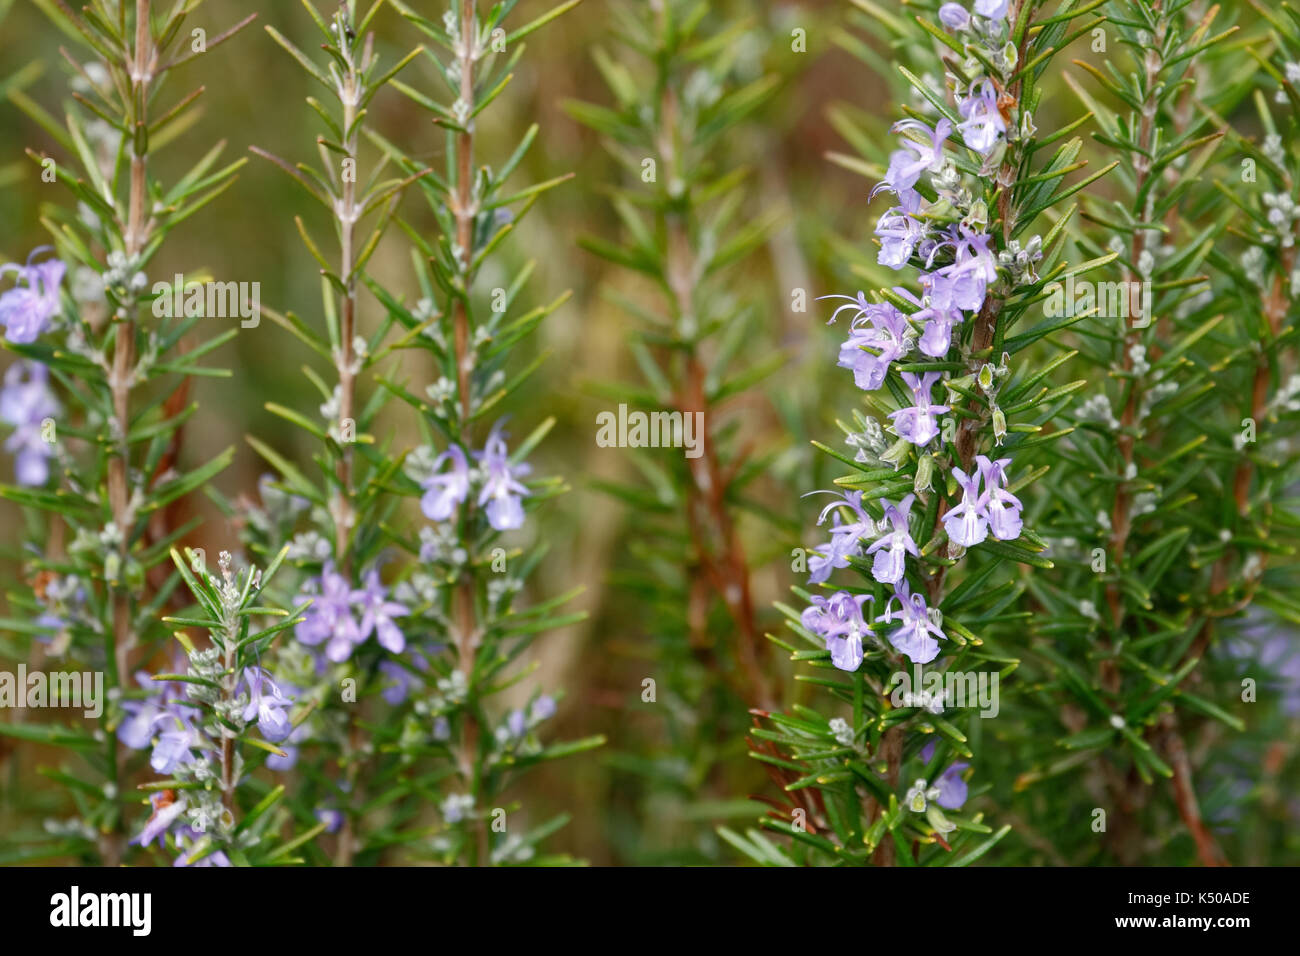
937 337
992 9
333 819
970 274
330 616
954 17
136 729
891 549
831 555
1002 507
543 708
967 524
952 788
267 704
377 613
846 538
900 232
917 424
173 745
26 401
839 622
905 168
26 310
981 120
887 335
445 491
913 638
164 815
502 492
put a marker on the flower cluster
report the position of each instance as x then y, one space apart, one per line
27 403
448 483
343 618
27 309
942 232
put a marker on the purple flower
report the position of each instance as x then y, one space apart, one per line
900 232
831 555
330 616
25 402
543 708
502 492
968 277
445 491
913 638
887 335
992 9
377 613
892 548
26 310
164 815
967 524
297 736
333 819
1003 508
838 620
173 745
952 788
905 167
517 723
917 424
396 692
267 704
954 16
937 337
845 538
981 121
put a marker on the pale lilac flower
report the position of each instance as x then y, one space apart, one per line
892 547
297 737
157 825
401 679
445 491
330 616
838 620
969 275
26 310
905 168
377 613
900 232
913 638
186 838
1003 508
937 337
967 524
267 704
887 334
333 819
954 17
831 555
26 401
981 121
992 9
846 538
917 424
502 492
543 708
174 744
952 788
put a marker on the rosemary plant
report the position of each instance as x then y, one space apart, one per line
98 397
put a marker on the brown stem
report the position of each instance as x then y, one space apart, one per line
714 537
465 212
